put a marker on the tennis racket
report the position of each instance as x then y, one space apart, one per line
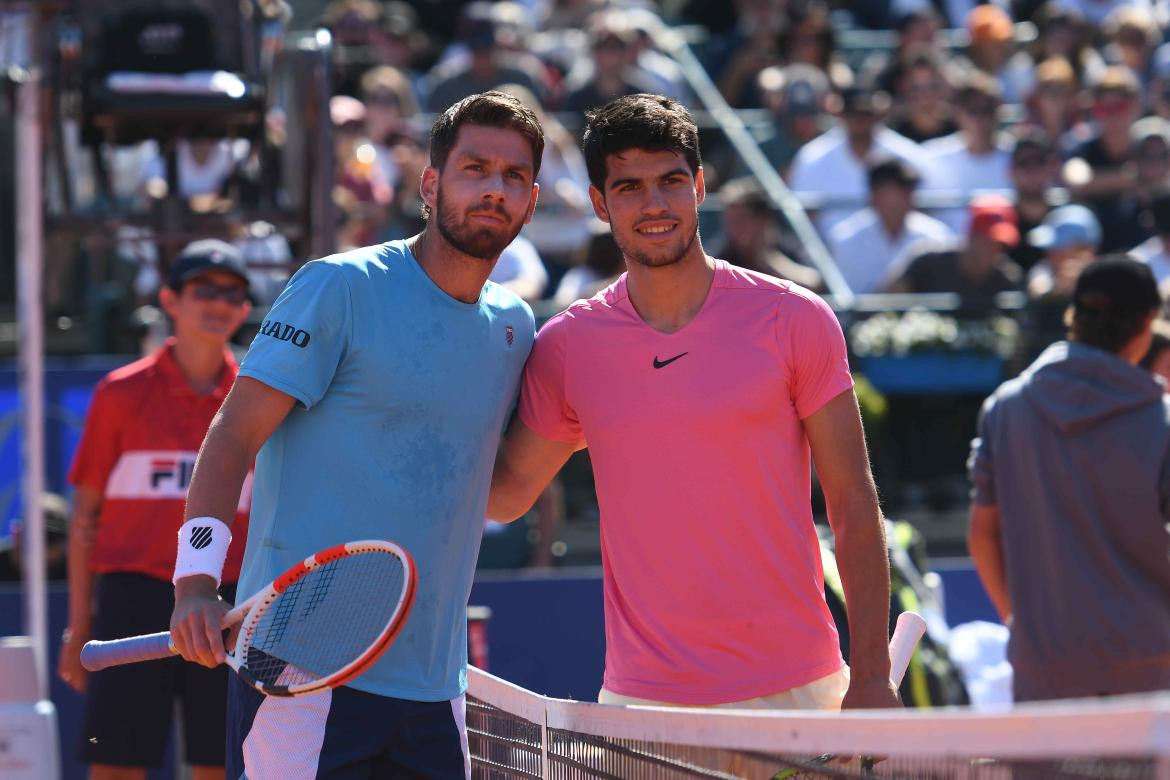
907 631
318 625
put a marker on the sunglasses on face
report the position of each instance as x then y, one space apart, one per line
229 293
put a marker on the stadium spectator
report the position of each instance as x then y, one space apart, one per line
561 224
390 104
990 47
976 268
395 336
356 28
1063 33
361 190
520 270
1155 252
1157 357
922 109
488 64
1096 12
660 71
975 158
1133 35
833 166
1035 168
1070 478
737 55
1102 168
1158 90
1069 237
917 31
866 244
1052 106
611 42
601 263
1150 150
762 409
749 237
808 38
130 474
203 166
795 98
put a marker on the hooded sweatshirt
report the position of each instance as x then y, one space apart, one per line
1074 453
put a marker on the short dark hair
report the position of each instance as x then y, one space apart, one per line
1112 299
892 170
651 122
486 109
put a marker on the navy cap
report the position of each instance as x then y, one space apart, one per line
204 256
802 99
1117 283
1067 226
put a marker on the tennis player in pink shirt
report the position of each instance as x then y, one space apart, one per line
701 389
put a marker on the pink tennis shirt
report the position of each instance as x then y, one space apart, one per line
713 584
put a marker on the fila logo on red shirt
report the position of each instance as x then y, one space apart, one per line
171 472
284 332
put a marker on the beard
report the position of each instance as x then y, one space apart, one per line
483 242
663 257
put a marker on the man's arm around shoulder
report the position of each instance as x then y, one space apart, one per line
249 415
838 448
525 464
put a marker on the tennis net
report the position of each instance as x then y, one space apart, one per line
514 733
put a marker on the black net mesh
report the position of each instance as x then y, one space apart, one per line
506 744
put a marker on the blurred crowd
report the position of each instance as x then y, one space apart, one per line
967 148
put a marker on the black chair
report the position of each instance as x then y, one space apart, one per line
142 61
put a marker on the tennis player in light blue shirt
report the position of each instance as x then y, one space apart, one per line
373 400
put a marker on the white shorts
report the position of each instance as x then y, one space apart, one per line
823 694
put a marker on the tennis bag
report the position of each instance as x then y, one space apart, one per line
932 679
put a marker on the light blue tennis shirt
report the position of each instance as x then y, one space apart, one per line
403 393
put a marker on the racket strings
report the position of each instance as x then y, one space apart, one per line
344 607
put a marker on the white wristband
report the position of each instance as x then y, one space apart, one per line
203 547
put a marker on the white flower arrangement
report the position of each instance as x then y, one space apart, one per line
919 330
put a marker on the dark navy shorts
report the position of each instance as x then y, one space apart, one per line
129 709
344 733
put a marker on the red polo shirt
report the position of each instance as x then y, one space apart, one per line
144 427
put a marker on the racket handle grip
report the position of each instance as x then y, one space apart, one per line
907 632
96 656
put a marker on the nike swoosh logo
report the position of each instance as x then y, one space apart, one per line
661 363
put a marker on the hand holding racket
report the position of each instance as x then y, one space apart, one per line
318 625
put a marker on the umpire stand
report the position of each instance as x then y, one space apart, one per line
182 73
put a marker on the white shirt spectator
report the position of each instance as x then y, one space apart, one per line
201 178
951 168
521 270
864 251
826 167
1095 11
1153 253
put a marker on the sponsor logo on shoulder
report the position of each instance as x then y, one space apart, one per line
284 332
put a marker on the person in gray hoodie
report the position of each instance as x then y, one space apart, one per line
1071 499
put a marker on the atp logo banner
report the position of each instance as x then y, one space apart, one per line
160 474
